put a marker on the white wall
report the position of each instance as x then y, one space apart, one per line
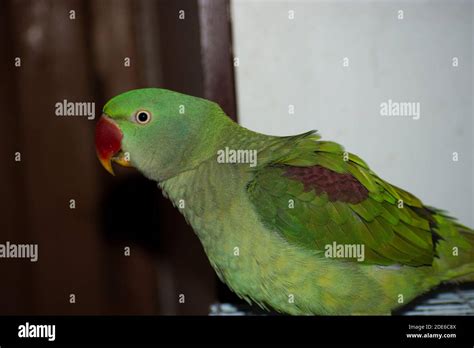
300 62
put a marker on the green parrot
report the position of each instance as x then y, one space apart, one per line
293 223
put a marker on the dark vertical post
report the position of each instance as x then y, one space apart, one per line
216 54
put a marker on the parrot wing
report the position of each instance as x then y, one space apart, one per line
313 194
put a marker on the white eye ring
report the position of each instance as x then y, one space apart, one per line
142 117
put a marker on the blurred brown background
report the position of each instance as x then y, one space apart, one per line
81 250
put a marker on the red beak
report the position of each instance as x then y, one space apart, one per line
108 141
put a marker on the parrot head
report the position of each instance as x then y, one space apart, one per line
157 131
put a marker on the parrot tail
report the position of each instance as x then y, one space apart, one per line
464 273
455 249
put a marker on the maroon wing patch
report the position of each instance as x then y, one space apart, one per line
338 187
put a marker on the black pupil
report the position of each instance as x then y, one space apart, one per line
142 117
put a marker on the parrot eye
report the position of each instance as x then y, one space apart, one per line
142 117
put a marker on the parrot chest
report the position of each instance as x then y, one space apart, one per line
239 248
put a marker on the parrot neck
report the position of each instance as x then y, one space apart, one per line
207 188
222 141
203 195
